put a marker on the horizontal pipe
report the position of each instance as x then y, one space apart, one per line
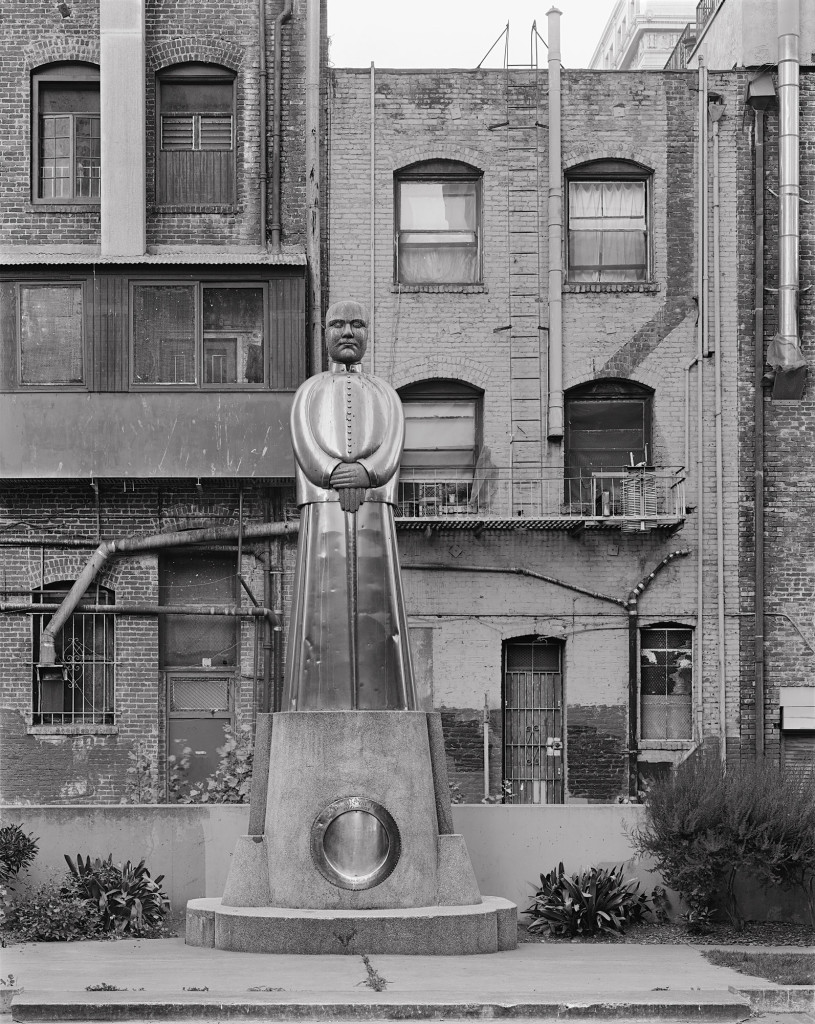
228 610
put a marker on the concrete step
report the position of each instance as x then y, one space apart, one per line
371 1006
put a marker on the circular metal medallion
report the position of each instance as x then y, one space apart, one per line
355 843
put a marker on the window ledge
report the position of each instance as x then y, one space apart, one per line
78 729
665 744
460 289
191 208
606 288
64 207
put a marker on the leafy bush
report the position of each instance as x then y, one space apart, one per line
597 900
17 851
49 913
127 899
232 779
141 786
705 827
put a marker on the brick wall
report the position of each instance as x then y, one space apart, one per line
53 764
476 334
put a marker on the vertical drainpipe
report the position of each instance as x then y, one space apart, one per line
371 303
555 218
715 111
313 232
263 176
788 156
277 128
758 437
701 337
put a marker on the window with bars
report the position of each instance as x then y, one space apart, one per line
65 134
438 223
85 647
608 222
666 683
199 335
195 159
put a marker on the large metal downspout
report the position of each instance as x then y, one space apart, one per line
555 218
701 347
715 111
313 153
277 113
132 545
785 349
758 436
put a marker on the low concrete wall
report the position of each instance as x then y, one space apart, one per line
191 845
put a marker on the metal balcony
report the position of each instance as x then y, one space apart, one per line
632 500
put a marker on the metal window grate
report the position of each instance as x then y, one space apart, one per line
533 722
666 683
199 693
85 647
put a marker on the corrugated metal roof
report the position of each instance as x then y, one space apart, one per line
57 255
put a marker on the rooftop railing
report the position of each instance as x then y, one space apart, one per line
678 60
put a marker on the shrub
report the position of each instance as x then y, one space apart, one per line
127 899
597 900
141 786
705 827
232 779
49 913
17 851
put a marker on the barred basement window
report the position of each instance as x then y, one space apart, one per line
666 683
66 157
85 647
438 223
195 158
607 218
199 335
50 333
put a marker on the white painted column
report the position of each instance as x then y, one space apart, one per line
123 128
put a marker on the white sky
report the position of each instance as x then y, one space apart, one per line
457 33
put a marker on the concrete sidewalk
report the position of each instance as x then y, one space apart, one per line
164 978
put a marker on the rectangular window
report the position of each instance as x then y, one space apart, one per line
68 155
437 233
220 344
607 231
51 335
666 683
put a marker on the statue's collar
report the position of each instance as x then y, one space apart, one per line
343 368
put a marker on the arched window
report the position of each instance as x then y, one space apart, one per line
195 137
608 428
437 220
608 222
65 133
533 720
85 649
666 682
442 441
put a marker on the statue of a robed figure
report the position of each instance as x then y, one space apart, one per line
351 845
348 645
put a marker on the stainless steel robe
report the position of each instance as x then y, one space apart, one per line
348 642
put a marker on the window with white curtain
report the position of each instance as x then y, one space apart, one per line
608 222
437 223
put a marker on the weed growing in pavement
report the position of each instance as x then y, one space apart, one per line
103 986
374 979
193 988
8 982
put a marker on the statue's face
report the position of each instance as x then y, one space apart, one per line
346 332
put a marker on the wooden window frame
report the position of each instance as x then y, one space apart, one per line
55 385
65 72
199 286
603 172
440 171
195 73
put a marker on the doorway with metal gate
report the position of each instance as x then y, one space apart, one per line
532 703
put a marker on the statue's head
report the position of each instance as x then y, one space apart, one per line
346 332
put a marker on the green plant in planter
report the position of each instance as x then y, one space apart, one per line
597 900
17 851
232 779
52 913
128 899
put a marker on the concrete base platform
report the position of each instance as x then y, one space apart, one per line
486 927
702 1007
